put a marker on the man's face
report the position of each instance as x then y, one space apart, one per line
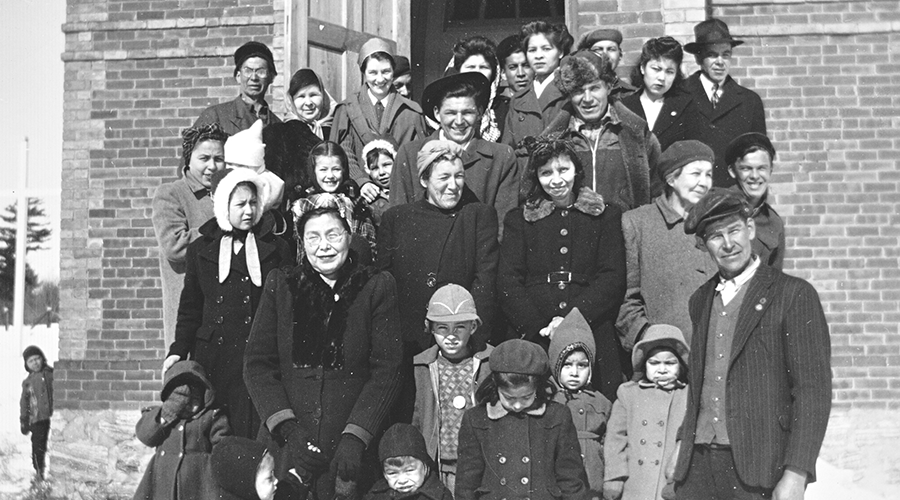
715 61
752 173
519 74
254 78
590 101
611 49
728 243
458 117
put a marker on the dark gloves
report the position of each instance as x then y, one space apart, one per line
348 457
298 452
176 403
25 428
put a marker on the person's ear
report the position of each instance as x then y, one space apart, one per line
732 170
752 225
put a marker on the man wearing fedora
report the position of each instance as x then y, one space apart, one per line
254 71
726 109
760 369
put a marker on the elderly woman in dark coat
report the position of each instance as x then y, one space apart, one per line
323 359
562 250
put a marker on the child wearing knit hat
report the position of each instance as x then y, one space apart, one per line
408 470
36 405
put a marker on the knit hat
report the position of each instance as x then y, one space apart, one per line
235 463
223 184
657 336
574 333
452 303
403 440
718 204
30 351
432 150
253 49
519 356
738 147
372 46
246 147
401 66
680 154
591 37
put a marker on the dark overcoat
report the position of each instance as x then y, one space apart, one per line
671 125
778 395
528 115
214 318
233 116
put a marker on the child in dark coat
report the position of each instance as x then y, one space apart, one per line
409 472
36 405
246 469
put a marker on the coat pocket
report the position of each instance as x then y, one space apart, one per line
785 422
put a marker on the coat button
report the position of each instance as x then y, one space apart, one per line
502 481
561 286
643 441
641 462
661 423
562 305
181 427
221 340
246 299
247 320
656 462
525 460
219 320
521 118
564 250
644 422
162 453
563 232
502 460
659 444
581 411
244 279
564 213
524 480
220 299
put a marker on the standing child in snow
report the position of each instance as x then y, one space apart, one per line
646 416
572 352
517 443
36 405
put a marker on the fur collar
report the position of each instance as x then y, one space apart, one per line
588 202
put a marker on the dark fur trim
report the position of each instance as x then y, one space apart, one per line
574 74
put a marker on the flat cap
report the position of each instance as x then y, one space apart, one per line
718 204
519 356
680 154
743 143
590 38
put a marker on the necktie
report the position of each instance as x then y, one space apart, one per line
379 112
714 99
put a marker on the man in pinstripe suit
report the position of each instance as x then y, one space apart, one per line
759 374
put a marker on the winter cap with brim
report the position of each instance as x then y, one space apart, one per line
738 147
710 32
680 154
718 204
403 440
656 336
30 351
572 334
519 356
591 37
254 49
372 46
235 463
452 303
432 150
246 147
436 91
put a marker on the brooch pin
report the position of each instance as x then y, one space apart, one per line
674 113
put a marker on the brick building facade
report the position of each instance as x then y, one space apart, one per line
137 72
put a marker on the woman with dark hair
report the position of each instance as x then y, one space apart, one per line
323 361
479 54
563 249
660 100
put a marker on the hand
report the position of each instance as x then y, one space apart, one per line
673 461
348 457
612 490
299 452
175 404
171 360
791 486
369 192
550 329
25 428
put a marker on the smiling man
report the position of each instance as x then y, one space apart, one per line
726 109
254 71
760 369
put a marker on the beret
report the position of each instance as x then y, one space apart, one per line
592 37
519 356
718 204
254 49
680 154
738 147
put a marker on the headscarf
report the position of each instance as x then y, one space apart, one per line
303 78
433 150
192 136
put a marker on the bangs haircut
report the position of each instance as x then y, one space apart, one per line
543 154
557 34
476 46
664 47
325 149
462 89
487 392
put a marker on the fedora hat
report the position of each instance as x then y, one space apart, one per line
436 90
709 32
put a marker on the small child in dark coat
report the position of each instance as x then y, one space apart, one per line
409 472
36 405
246 469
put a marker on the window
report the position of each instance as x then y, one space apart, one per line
484 10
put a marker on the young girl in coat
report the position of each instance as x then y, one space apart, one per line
646 417
572 352
379 156
36 405
518 443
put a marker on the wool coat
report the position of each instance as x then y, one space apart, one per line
182 460
640 151
36 403
233 116
354 397
355 125
677 111
769 243
532 454
740 110
425 247
664 268
214 318
492 174
530 116
431 489
179 209
778 392
541 245
590 412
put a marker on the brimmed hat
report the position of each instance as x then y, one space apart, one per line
235 462
588 39
709 32
718 204
403 440
253 49
436 90
372 46
680 154
452 303
401 66
519 356
572 334
737 148
659 336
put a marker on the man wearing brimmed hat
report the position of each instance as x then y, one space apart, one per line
760 369
254 71
457 102
726 109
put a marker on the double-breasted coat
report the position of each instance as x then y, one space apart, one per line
778 392
214 318
671 125
529 115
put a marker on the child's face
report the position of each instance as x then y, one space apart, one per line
380 172
35 362
517 399
242 208
266 483
329 173
662 368
407 478
575 371
452 337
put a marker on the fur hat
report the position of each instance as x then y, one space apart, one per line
519 356
403 440
30 351
658 336
574 333
223 184
254 49
246 147
579 69
235 463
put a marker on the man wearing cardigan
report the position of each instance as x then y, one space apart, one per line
759 373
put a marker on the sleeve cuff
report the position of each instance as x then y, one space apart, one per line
363 435
279 417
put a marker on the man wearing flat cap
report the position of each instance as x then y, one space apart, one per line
726 109
254 71
760 369
609 42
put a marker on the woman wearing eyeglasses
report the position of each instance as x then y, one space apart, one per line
323 360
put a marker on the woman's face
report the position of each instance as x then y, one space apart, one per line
659 75
692 183
557 178
477 63
242 208
543 56
327 244
329 173
308 101
207 158
444 187
379 76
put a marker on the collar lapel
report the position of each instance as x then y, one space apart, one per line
699 95
731 97
666 119
752 309
368 111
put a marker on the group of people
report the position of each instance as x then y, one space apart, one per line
489 293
